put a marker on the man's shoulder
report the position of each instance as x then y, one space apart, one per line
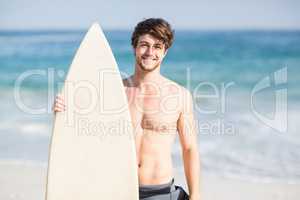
184 96
175 87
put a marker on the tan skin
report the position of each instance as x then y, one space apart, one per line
160 109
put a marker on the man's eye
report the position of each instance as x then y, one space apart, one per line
157 47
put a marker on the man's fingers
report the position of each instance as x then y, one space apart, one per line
59 104
59 98
59 101
59 109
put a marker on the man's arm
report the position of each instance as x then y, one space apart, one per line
188 139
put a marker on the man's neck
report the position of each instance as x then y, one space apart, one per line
141 78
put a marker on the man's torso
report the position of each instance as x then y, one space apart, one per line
154 111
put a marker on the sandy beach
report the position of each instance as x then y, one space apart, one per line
27 181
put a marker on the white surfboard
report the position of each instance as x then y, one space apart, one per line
92 152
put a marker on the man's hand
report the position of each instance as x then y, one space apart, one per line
59 104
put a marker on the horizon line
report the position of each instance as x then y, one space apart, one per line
80 29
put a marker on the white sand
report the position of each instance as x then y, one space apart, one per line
22 181
28 182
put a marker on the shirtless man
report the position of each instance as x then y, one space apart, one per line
160 109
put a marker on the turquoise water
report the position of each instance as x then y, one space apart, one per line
233 141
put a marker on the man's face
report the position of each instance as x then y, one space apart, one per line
149 52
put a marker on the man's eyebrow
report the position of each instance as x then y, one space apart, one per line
156 43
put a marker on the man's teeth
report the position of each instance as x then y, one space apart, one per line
148 58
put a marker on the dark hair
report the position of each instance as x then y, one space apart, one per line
157 27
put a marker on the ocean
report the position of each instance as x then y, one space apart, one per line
245 86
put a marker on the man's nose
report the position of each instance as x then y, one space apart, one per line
149 51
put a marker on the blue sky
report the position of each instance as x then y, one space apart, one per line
117 14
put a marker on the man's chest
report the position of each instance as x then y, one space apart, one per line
158 112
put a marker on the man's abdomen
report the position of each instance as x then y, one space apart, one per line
155 160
